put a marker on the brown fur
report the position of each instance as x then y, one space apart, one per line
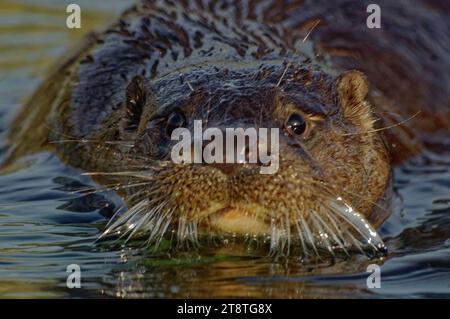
113 99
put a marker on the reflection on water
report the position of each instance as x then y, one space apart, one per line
46 225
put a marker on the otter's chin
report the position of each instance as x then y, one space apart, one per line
237 221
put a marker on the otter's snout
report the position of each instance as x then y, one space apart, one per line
227 148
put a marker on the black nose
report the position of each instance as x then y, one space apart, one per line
231 165
226 168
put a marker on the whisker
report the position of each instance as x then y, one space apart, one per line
359 224
161 219
336 237
324 186
288 232
193 232
322 234
310 237
85 141
126 174
125 218
109 187
336 224
274 237
384 128
163 229
181 235
290 62
142 221
302 240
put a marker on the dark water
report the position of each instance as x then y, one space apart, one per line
44 226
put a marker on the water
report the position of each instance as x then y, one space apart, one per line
44 226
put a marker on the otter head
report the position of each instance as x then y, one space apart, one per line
330 171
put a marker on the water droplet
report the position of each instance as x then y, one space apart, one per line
174 289
447 243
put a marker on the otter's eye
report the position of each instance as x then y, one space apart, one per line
296 124
175 121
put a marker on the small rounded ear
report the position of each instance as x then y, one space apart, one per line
135 99
352 88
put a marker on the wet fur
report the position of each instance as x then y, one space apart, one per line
101 109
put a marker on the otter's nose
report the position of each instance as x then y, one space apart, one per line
234 156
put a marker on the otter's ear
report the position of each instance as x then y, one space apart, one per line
135 100
352 88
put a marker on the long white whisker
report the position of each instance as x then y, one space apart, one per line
323 235
359 224
302 240
310 237
337 237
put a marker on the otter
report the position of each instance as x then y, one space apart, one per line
350 102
